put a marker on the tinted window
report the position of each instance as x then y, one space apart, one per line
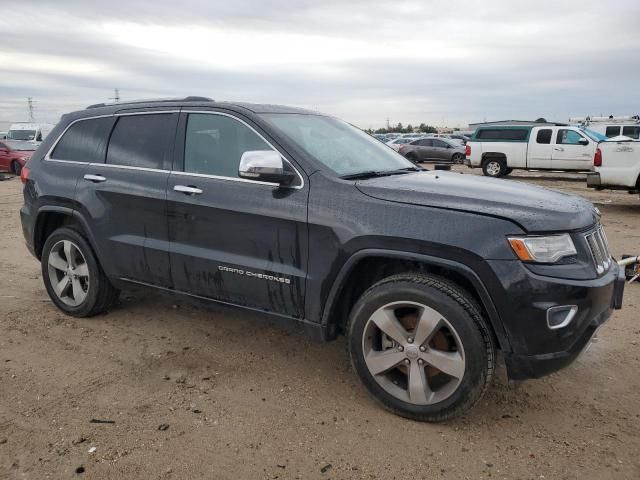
84 141
215 143
440 143
502 134
632 132
568 137
425 143
141 140
612 131
544 136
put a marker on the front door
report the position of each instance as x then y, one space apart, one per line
234 240
572 151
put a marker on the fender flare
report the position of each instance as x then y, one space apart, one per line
460 268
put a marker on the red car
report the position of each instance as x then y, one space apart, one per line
14 154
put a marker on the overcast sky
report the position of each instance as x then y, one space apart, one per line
440 62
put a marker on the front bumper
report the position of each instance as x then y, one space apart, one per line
537 349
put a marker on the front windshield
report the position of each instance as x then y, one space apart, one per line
20 145
21 134
343 148
595 136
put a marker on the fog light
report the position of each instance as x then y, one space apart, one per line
560 317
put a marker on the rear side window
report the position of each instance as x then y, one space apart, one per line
440 143
84 141
631 132
612 132
425 142
544 136
514 134
141 140
214 144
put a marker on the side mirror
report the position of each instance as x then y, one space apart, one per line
583 141
264 166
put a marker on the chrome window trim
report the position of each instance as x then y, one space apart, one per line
219 177
48 158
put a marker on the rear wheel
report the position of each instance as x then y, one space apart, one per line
16 168
421 347
72 276
457 158
494 167
412 157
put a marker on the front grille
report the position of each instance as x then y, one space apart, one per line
597 241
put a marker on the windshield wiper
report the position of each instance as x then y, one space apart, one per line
379 173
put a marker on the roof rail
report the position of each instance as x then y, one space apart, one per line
190 98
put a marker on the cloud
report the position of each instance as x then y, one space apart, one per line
441 62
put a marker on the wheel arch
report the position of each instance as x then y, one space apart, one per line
366 267
486 156
52 217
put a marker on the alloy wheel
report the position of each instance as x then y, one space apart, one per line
68 273
413 353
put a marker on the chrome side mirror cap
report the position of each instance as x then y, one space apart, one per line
264 166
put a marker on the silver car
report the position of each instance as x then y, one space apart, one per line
433 150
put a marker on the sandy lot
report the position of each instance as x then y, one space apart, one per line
240 399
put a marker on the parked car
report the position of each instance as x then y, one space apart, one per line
433 149
309 220
14 154
499 150
616 165
396 142
32 132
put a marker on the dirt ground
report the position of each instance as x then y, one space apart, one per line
197 392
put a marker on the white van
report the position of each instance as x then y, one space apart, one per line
610 127
32 132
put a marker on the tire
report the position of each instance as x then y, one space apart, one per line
508 171
457 158
71 290
412 157
494 167
436 395
16 168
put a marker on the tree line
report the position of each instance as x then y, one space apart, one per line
399 128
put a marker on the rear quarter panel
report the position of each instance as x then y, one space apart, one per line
620 163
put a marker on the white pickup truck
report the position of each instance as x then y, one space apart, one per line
500 149
616 165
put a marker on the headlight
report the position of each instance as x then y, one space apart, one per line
547 249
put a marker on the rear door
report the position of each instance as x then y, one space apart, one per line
234 240
123 197
424 149
569 153
540 149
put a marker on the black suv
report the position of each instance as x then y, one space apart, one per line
303 217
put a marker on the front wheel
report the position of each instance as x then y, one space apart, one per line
421 347
494 167
72 276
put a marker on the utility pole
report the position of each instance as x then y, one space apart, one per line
388 126
116 96
30 104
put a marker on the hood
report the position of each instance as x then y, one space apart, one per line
535 209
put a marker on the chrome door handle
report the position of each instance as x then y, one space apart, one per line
95 178
187 189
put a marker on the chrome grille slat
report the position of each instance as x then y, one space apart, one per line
599 247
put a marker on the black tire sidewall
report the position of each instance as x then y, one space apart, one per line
66 233
16 168
475 349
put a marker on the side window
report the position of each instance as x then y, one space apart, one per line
439 143
215 143
544 136
631 132
568 137
499 134
612 131
84 141
141 140
427 142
